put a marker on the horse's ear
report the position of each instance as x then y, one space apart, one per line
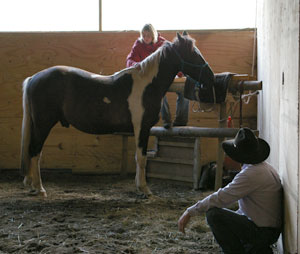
185 33
179 36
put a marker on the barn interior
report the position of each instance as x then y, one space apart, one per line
269 52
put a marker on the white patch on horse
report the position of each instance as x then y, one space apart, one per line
142 78
106 100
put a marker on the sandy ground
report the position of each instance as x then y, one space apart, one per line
99 214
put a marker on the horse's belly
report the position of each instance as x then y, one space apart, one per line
102 123
104 128
96 114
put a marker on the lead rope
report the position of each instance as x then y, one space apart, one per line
200 109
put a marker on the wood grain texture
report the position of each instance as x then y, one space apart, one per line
23 54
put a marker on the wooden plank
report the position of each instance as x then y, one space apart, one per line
170 177
172 160
175 152
180 172
177 144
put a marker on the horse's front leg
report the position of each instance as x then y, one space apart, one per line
140 177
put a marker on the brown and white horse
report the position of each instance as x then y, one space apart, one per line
127 101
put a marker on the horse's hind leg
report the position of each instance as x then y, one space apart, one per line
33 174
39 133
33 178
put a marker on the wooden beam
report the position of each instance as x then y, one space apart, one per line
234 83
187 131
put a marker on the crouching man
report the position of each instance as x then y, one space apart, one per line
257 188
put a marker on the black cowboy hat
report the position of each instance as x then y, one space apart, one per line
246 147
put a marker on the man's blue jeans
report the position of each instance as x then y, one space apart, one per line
182 111
236 234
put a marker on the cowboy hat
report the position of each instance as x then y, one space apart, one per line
246 147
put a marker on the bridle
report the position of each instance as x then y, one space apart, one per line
183 63
198 85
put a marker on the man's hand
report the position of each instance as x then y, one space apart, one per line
183 221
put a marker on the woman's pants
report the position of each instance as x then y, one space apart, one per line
236 234
182 111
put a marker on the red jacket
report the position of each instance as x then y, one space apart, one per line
140 50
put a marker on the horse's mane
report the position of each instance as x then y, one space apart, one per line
152 60
186 45
145 65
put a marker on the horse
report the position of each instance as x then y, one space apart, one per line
127 101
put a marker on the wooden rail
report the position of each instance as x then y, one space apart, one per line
188 131
237 80
221 133
234 83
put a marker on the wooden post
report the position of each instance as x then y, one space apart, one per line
220 160
197 164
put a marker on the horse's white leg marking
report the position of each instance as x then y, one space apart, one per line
137 114
28 179
140 159
137 110
141 78
140 177
35 175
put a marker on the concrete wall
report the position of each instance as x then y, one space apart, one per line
278 103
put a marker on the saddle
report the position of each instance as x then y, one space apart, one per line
208 93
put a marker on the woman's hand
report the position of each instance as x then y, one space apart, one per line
137 66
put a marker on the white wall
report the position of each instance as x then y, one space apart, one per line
278 104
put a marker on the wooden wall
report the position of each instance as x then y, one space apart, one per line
23 54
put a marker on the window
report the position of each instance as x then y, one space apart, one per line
178 14
118 15
49 15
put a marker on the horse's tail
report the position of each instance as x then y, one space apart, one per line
26 130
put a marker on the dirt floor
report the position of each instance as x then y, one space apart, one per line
99 214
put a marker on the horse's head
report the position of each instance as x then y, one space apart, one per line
190 59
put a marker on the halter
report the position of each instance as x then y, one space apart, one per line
182 63
198 85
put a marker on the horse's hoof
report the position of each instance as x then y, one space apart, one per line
42 194
37 193
145 192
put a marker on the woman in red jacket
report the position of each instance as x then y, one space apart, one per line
148 42
145 45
